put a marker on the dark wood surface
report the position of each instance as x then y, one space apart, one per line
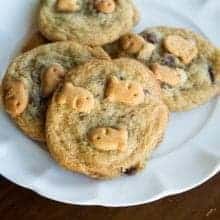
202 203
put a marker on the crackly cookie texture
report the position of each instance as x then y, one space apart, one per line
91 22
185 64
118 132
32 77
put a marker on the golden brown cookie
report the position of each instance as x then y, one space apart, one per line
190 60
106 118
32 77
91 22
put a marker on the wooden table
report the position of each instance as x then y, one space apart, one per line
202 203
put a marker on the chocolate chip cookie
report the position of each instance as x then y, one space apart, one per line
91 22
32 77
185 63
106 118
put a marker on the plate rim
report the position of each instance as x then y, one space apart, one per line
166 194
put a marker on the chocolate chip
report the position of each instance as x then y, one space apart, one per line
146 92
151 37
132 115
169 60
78 140
82 117
131 171
43 100
164 85
211 74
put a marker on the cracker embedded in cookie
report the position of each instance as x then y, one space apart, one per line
131 45
109 139
105 6
168 75
15 97
77 98
67 6
186 49
127 92
51 78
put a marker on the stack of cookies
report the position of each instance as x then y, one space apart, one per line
99 95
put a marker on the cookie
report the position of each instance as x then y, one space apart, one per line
32 77
106 118
185 63
91 22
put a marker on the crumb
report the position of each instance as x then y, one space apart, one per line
210 212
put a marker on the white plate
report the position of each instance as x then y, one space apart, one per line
188 156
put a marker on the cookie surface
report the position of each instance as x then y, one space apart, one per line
91 22
32 76
185 63
106 118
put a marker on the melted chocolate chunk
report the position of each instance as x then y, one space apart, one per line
43 100
151 37
131 171
81 117
211 74
164 85
146 92
169 60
